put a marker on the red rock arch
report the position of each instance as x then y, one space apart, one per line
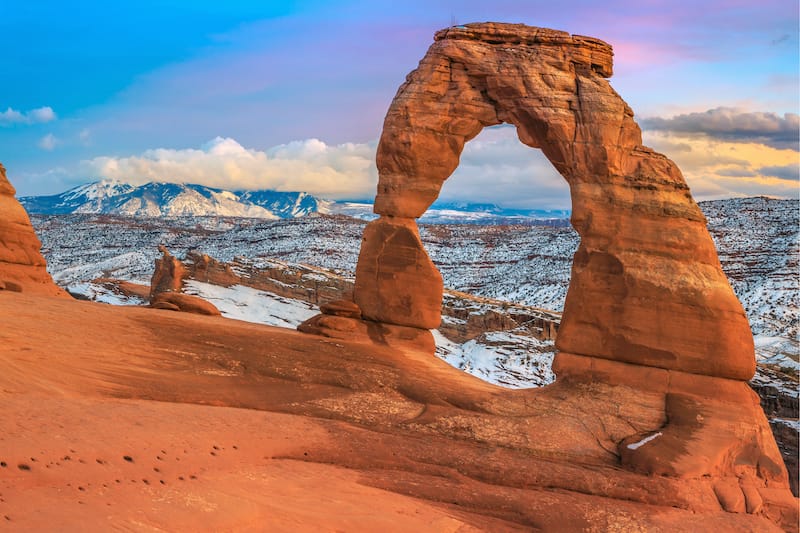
646 286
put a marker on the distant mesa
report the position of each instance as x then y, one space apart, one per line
22 267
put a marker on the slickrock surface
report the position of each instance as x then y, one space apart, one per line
645 257
187 303
153 420
22 267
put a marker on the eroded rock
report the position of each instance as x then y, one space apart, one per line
648 310
22 266
396 282
187 303
169 274
646 285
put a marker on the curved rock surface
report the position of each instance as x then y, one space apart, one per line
183 422
646 286
22 267
648 305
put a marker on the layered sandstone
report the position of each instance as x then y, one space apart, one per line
645 259
188 303
168 275
166 286
648 308
22 267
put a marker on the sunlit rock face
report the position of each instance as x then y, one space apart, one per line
646 285
649 316
22 267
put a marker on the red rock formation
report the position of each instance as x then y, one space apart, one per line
22 267
168 275
645 257
648 311
396 282
177 301
302 282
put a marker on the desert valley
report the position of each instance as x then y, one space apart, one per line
183 358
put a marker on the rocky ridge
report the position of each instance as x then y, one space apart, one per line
157 199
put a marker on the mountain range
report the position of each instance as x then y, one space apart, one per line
157 199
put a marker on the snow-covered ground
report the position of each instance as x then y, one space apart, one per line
252 305
757 240
503 358
99 292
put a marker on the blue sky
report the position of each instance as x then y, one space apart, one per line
291 95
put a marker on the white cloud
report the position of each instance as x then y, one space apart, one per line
495 168
717 169
48 142
39 115
341 171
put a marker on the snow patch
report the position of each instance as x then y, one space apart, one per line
637 445
253 305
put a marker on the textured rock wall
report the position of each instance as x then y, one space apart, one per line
22 267
292 281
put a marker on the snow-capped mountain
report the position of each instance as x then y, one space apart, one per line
156 199
286 204
171 199
442 212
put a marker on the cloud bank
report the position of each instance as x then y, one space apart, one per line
731 124
341 171
40 115
723 169
495 168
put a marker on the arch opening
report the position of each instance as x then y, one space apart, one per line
497 169
499 234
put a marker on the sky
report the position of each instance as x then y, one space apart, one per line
291 95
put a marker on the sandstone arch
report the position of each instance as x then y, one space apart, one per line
649 311
646 286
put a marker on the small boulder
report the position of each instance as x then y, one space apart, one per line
343 308
186 303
